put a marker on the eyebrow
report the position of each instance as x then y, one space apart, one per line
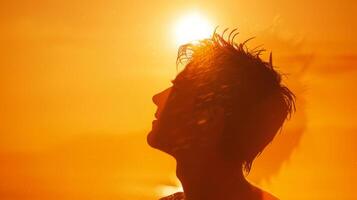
174 81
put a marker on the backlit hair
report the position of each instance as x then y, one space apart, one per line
227 74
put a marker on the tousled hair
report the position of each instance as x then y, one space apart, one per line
228 74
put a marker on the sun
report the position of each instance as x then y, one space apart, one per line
192 27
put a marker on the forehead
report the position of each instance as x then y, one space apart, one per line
188 74
180 75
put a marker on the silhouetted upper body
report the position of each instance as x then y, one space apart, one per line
181 196
224 107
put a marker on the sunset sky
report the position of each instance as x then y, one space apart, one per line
77 77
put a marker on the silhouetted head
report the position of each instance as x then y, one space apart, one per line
225 101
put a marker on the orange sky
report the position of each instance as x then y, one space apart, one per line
76 80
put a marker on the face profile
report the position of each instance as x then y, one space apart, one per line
221 111
177 125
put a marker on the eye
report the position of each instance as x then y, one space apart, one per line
174 88
174 84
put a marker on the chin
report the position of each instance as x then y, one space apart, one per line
150 139
155 141
154 137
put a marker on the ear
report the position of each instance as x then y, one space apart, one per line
211 129
217 122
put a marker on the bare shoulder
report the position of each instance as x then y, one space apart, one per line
175 196
268 196
265 195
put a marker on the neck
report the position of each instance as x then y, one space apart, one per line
209 178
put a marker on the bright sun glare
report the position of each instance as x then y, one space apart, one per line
192 27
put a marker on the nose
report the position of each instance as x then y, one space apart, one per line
161 97
155 98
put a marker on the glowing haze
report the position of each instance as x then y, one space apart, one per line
192 27
77 77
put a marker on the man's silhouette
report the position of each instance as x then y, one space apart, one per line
222 110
